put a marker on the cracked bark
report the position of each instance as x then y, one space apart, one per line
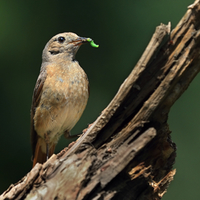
127 153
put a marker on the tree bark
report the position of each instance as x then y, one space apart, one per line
127 153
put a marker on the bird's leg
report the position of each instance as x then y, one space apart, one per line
46 138
47 150
68 135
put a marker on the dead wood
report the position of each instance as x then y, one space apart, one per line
127 153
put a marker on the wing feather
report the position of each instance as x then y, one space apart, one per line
35 102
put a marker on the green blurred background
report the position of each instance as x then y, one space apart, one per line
123 29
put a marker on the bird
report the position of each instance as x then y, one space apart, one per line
60 95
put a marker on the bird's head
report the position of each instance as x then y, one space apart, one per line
63 45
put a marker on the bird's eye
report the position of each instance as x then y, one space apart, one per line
61 39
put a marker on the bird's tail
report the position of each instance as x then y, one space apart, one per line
40 155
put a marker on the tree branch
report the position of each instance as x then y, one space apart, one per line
127 153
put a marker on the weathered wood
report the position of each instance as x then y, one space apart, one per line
127 153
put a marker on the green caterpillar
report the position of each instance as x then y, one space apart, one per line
92 43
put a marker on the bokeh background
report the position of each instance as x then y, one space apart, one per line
123 29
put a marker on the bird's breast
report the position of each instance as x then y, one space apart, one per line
63 100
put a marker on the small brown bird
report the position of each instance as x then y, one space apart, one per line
60 94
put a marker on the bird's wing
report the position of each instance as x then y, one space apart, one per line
35 101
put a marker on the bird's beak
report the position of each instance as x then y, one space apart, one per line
79 41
